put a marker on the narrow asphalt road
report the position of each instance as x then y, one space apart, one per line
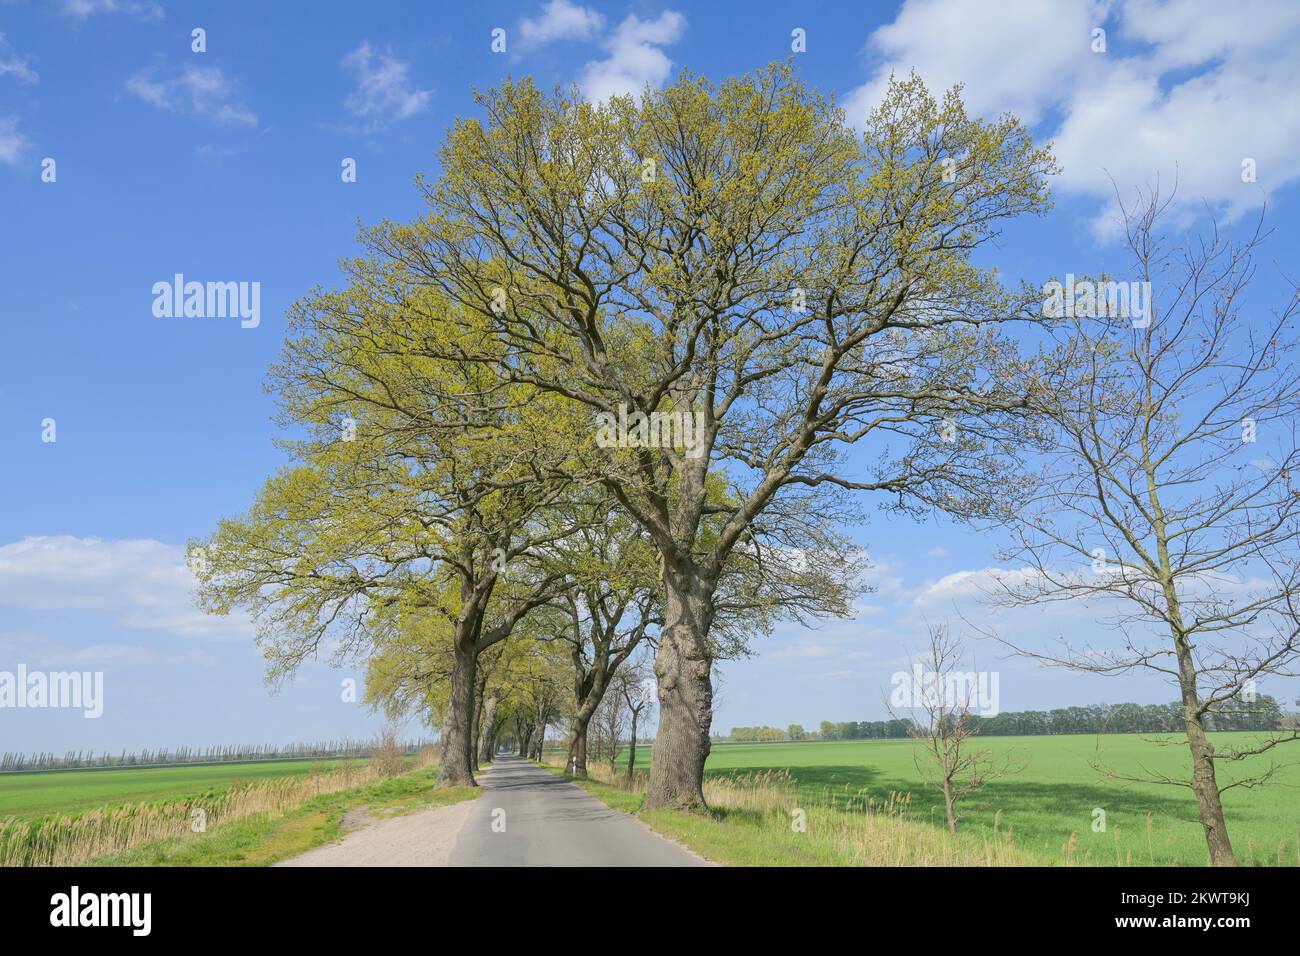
527 816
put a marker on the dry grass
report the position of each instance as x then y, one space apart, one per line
764 819
389 757
76 839
857 831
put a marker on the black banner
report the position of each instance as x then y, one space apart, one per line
366 905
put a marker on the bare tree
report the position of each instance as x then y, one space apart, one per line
637 687
938 713
608 725
1170 472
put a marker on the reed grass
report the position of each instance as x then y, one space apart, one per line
71 840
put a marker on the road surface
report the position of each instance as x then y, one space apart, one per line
527 816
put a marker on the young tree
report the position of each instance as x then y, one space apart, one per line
736 261
938 716
609 724
1171 472
636 684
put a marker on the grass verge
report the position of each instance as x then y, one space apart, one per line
762 820
266 838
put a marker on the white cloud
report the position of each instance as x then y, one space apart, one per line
12 142
384 90
1019 55
11 64
635 59
1186 89
561 20
143 9
199 90
961 586
143 584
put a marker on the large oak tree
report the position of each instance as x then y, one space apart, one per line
737 253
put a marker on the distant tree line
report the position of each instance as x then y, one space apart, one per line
850 730
88 759
895 729
1262 714
764 734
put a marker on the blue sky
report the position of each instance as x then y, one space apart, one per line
225 165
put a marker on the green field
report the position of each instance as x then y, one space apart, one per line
1053 797
30 795
1048 806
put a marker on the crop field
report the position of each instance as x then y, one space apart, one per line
27 796
1050 805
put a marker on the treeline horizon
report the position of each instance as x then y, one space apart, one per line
1263 714
14 762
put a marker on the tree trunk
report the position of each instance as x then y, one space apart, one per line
576 761
487 739
631 754
1204 784
1208 799
539 742
456 769
474 726
949 807
480 699
539 739
685 693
